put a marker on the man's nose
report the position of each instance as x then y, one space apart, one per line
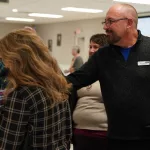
105 27
92 50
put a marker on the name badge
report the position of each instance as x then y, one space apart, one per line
143 63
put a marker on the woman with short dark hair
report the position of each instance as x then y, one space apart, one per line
89 116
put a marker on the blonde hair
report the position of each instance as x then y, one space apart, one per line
30 63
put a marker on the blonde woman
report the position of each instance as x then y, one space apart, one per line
35 101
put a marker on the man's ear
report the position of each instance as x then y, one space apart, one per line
130 23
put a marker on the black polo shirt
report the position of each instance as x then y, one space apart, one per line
125 87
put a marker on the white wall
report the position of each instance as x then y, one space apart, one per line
143 25
63 53
5 28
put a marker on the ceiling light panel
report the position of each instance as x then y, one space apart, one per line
45 15
86 10
19 19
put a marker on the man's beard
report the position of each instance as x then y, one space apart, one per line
112 37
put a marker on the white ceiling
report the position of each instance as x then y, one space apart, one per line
54 7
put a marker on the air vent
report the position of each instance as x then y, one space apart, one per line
4 1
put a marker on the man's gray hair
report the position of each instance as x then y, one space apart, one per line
76 48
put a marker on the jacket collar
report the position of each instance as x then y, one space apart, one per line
140 36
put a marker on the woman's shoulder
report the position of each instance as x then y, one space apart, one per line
91 89
24 88
79 58
28 91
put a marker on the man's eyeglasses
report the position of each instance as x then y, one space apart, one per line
109 21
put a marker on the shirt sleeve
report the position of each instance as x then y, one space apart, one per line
78 63
13 122
85 75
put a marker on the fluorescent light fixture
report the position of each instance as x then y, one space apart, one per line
45 15
147 2
15 10
82 10
19 19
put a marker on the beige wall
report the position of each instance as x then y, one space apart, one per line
8 27
49 31
63 53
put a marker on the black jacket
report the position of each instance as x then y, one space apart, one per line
125 87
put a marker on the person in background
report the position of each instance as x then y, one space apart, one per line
77 60
89 116
36 104
123 69
30 28
3 76
3 81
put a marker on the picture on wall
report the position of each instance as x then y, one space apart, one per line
59 39
50 45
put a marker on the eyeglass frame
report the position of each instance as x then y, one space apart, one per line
109 22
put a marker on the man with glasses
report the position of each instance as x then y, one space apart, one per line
123 69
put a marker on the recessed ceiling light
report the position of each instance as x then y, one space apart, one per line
19 19
15 10
45 15
135 1
82 10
